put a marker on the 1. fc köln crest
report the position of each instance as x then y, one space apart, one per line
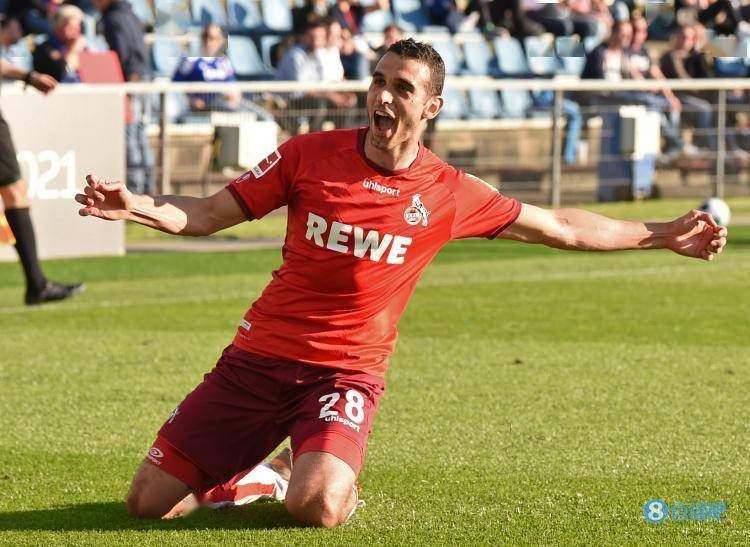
416 212
264 166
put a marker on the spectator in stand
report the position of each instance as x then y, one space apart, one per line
350 13
722 16
684 61
302 63
590 18
59 55
356 64
391 34
329 56
11 33
503 17
124 34
611 61
446 13
214 66
312 9
33 14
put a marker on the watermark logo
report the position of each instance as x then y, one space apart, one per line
656 511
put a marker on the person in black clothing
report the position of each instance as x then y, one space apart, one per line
15 196
59 55
124 34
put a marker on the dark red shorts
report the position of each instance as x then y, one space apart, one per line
248 404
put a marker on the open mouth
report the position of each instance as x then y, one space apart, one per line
385 122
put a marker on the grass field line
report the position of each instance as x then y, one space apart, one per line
427 282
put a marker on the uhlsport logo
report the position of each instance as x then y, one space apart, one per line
155 453
416 212
380 189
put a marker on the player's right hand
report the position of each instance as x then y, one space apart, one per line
42 82
107 200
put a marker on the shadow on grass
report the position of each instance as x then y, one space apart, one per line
112 516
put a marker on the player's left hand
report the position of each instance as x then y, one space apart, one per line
697 235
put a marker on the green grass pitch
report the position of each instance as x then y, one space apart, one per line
536 397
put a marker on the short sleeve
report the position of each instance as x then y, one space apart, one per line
481 210
266 186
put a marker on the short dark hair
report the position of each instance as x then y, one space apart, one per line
426 54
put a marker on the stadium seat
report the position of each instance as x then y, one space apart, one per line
172 16
540 56
455 107
485 104
245 59
450 53
166 54
516 102
435 29
571 53
208 11
244 14
277 15
266 47
376 21
730 67
590 43
478 56
511 60
410 14
142 10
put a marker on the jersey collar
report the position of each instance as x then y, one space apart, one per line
362 134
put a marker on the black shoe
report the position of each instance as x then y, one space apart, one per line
53 291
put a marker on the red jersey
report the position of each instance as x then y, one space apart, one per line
358 238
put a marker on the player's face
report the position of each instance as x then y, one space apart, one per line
398 101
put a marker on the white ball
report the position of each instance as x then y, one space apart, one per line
718 209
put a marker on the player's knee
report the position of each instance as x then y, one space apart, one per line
139 506
323 509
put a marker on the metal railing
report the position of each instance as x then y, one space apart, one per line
163 94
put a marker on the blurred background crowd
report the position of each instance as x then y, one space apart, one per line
337 40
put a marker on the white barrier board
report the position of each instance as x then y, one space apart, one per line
59 139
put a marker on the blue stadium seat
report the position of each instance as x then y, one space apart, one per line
590 43
450 53
172 16
245 58
516 102
266 45
485 104
730 67
477 56
166 54
571 53
208 11
244 14
455 107
376 21
277 14
540 56
435 29
142 10
410 15
511 60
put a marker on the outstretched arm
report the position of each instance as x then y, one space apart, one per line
182 215
694 234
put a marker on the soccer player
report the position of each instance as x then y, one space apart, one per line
14 194
368 209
